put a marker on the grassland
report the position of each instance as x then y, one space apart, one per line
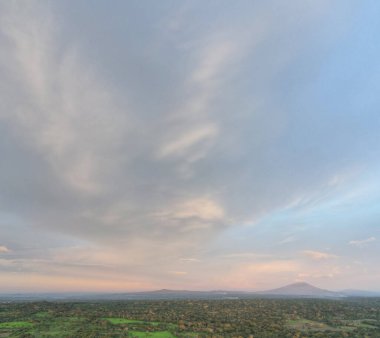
309 325
15 325
130 321
158 334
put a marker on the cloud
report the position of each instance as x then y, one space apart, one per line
252 275
62 111
202 208
178 273
317 255
189 259
213 60
189 140
321 275
3 249
183 136
288 239
246 255
362 242
20 281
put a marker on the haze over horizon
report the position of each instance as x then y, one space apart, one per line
189 145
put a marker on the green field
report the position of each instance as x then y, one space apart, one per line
129 321
15 325
48 326
363 323
306 324
158 334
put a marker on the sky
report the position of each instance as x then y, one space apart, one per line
194 145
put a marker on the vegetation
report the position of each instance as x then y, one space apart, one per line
13 325
352 317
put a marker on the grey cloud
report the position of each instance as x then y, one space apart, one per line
175 133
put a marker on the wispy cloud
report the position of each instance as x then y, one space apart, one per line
318 255
246 255
189 259
288 239
362 242
178 273
188 140
202 208
65 120
192 128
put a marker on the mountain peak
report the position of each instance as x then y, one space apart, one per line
302 289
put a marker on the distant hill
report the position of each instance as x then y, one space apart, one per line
299 290
166 294
302 289
360 293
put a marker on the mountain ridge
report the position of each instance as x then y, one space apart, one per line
294 290
302 289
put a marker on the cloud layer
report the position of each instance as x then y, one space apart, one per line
160 143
